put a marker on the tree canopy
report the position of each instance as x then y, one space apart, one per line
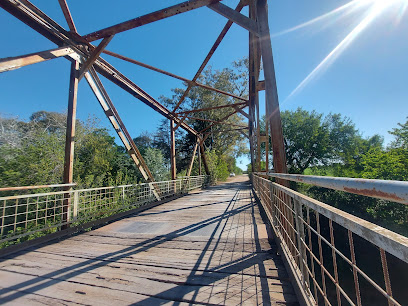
312 139
32 153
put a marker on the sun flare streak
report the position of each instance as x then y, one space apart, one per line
377 8
341 12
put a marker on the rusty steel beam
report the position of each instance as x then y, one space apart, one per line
36 19
149 18
67 15
244 134
113 116
271 92
221 120
254 68
173 169
235 16
70 138
224 31
224 131
214 121
71 119
11 63
211 108
206 135
40 22
199 159
130 60
241 111
260 86
204 159
112 74
94 55
267 148
190 167
180 122
252 91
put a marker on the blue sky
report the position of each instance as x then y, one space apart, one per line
366 81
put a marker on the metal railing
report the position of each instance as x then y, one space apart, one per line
28 216
335 257
36 187
396 191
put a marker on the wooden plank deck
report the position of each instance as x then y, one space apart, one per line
209 247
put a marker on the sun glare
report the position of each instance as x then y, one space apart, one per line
374 9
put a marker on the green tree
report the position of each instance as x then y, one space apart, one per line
370 160
32 153
389 164
220 137
401 135
307 139
314 140
155 161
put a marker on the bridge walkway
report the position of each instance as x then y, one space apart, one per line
209 247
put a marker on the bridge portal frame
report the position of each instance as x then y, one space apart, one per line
86 58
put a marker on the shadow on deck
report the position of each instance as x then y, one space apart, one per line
209 247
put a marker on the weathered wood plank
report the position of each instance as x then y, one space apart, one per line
210 247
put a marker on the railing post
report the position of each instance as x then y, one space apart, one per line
70 140
150 190
173 169
2 219
301 237
76 200
272 195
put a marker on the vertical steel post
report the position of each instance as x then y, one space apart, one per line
199 162
266 148
70 138
190 167
253 93
204 158
173 169
271 93
300 235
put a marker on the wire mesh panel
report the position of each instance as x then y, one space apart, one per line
28 216
337 258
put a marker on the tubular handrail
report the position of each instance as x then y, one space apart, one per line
315 237
393 243
88 189
46 212
36 187
395 191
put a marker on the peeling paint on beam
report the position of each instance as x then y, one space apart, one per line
40 22
109 72
149 18
11 63
130 60
220 37
396 191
